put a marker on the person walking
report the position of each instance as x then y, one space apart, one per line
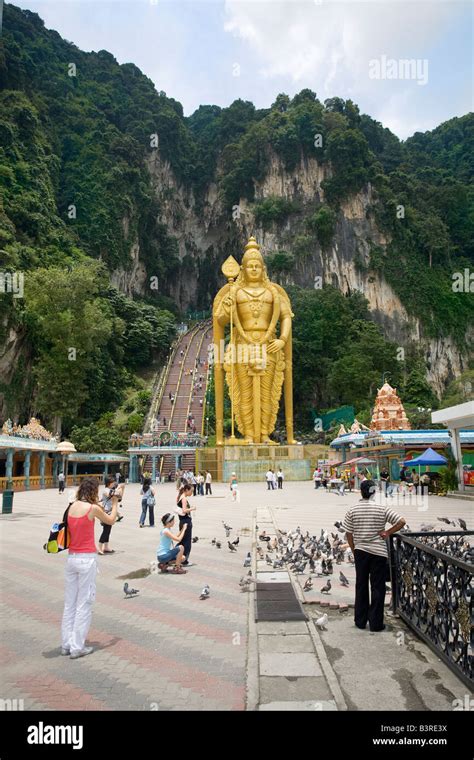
280 478
234 486
415 480
148 503
184 510
61 482
208 483
269 479
111 490
166 553
81 566
365 526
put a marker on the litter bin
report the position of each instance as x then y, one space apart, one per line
7 502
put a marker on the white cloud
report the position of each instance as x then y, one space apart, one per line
327 46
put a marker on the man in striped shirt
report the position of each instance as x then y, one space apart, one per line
365 525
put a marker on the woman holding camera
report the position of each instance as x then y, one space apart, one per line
81 566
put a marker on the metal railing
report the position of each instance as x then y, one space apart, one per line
433 592
20 484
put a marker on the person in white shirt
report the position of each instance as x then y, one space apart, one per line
269 479
280 478
317 477
274 477
208 483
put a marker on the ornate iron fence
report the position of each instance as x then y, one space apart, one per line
433 592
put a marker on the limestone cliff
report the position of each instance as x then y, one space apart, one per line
206 234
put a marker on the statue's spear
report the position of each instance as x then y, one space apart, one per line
231 270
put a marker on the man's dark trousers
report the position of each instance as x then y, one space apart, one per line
369 568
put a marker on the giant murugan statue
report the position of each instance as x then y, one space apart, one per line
258 358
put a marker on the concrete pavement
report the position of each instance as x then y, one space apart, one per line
166 649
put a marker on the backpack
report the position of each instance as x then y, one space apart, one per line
150 500
59 536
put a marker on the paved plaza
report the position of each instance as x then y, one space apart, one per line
165 649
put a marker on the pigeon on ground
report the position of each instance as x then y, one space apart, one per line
322 622
213 542
445 520
462 523
195 539
268 560
129 591
218 545
226 527
236 542
205 593
248 560
426 528
245 583
344 581
231 547
327 588
308 585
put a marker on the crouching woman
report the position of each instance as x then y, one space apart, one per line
166 553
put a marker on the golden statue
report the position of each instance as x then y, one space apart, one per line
257 362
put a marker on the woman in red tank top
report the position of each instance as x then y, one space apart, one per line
81 567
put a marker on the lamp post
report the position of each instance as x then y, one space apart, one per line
65 448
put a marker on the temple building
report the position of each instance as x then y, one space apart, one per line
389 413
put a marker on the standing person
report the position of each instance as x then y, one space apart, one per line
385 478
165 552
61 482
317 477
280 478
118 477
415 480
201 484
112 489
234 486
148 503
409 481
184 511
208 483
366 534
274 479
424 483
193 481
269 479
81 566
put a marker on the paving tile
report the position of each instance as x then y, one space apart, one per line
289 664
289 643
289 689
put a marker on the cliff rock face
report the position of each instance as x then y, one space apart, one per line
206 236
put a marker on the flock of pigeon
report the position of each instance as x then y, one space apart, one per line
297 551
456 545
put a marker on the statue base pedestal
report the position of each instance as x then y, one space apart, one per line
250 462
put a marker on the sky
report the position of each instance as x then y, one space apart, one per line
215 51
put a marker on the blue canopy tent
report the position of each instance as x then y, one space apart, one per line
429 457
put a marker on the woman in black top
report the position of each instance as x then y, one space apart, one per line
184 511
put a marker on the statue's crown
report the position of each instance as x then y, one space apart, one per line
252 251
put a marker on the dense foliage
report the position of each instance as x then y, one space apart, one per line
78 134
